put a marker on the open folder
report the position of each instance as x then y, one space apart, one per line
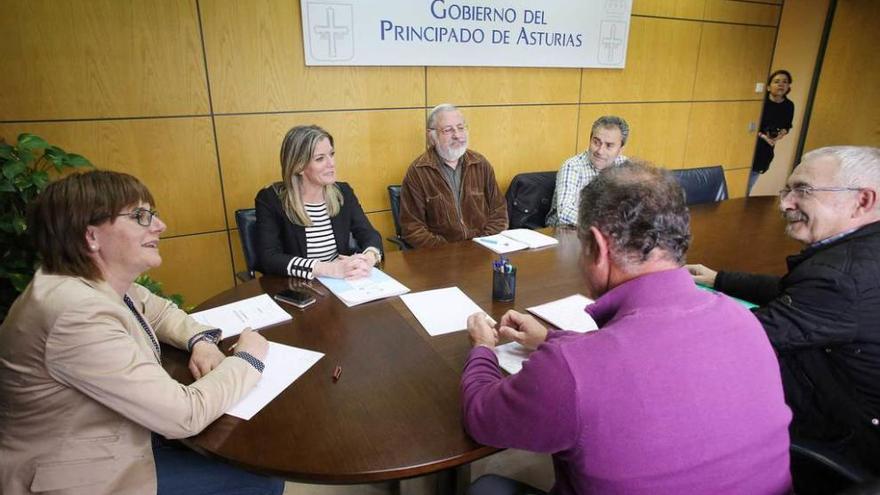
515 240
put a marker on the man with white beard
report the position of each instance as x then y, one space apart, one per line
449 193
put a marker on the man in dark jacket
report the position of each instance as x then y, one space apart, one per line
823 316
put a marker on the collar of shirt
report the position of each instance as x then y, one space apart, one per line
657 290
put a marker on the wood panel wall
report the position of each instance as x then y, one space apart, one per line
193 96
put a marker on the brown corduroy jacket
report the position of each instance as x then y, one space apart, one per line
428 216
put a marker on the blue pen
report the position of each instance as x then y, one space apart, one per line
488 241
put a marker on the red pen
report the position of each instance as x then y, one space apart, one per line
337 373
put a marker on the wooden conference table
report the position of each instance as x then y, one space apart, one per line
395 412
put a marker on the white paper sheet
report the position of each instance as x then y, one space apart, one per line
530 237
567 313
511 356
254 312
378 285
441 310
283 365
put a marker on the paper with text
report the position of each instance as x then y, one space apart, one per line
283 365
530 238
254 312
441 310
378 285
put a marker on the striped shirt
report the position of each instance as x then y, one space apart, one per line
320 243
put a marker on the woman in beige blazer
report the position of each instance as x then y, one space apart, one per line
81 384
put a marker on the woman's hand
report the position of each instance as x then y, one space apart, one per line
347 267
204 357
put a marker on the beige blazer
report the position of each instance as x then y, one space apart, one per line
81 388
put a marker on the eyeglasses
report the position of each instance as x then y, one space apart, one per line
143 216
449 130
802 192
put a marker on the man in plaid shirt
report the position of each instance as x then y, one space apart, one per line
607 138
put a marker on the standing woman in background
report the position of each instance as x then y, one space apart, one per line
304 222
775 123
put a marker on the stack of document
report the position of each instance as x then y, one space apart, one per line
255 312
353 292
566 314
515 240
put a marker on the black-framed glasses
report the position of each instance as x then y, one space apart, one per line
449 130
143 216
802 192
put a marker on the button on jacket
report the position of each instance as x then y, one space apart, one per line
428 215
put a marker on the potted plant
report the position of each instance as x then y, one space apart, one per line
26 167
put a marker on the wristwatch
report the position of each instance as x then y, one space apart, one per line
211 337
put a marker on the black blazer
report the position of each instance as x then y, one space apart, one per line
279 240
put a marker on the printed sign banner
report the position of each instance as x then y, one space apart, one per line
504 33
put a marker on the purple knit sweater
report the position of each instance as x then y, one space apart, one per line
678 392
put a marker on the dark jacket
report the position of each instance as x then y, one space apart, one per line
278 239
428 215
823 319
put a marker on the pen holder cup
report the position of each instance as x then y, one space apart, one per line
504 285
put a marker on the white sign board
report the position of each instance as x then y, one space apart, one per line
506 33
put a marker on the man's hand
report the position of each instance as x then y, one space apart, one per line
205 356
702 274
481 332
522 328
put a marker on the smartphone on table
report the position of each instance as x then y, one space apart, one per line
298 298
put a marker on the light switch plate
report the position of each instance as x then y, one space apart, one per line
759 87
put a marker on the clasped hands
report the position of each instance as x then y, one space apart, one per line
348 267
522 328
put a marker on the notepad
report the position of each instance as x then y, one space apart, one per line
515 240
254 312
378 285
282 366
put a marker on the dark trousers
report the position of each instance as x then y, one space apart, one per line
179 470
492 484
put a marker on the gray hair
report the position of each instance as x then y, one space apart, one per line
859 165
611 121
639 208
441 108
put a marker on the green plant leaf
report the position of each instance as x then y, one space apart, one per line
20 280
7 152
13 169
31 142
40 180
77 161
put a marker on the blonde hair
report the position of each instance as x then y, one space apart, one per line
297 149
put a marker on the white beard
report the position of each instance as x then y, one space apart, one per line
452 154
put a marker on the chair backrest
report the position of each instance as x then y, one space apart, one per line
817 469
528 199
246 219
702 185
394 198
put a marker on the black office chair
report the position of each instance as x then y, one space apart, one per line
816 470
702 185
246 219
528 199
394 198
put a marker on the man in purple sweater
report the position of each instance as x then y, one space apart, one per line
678 392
